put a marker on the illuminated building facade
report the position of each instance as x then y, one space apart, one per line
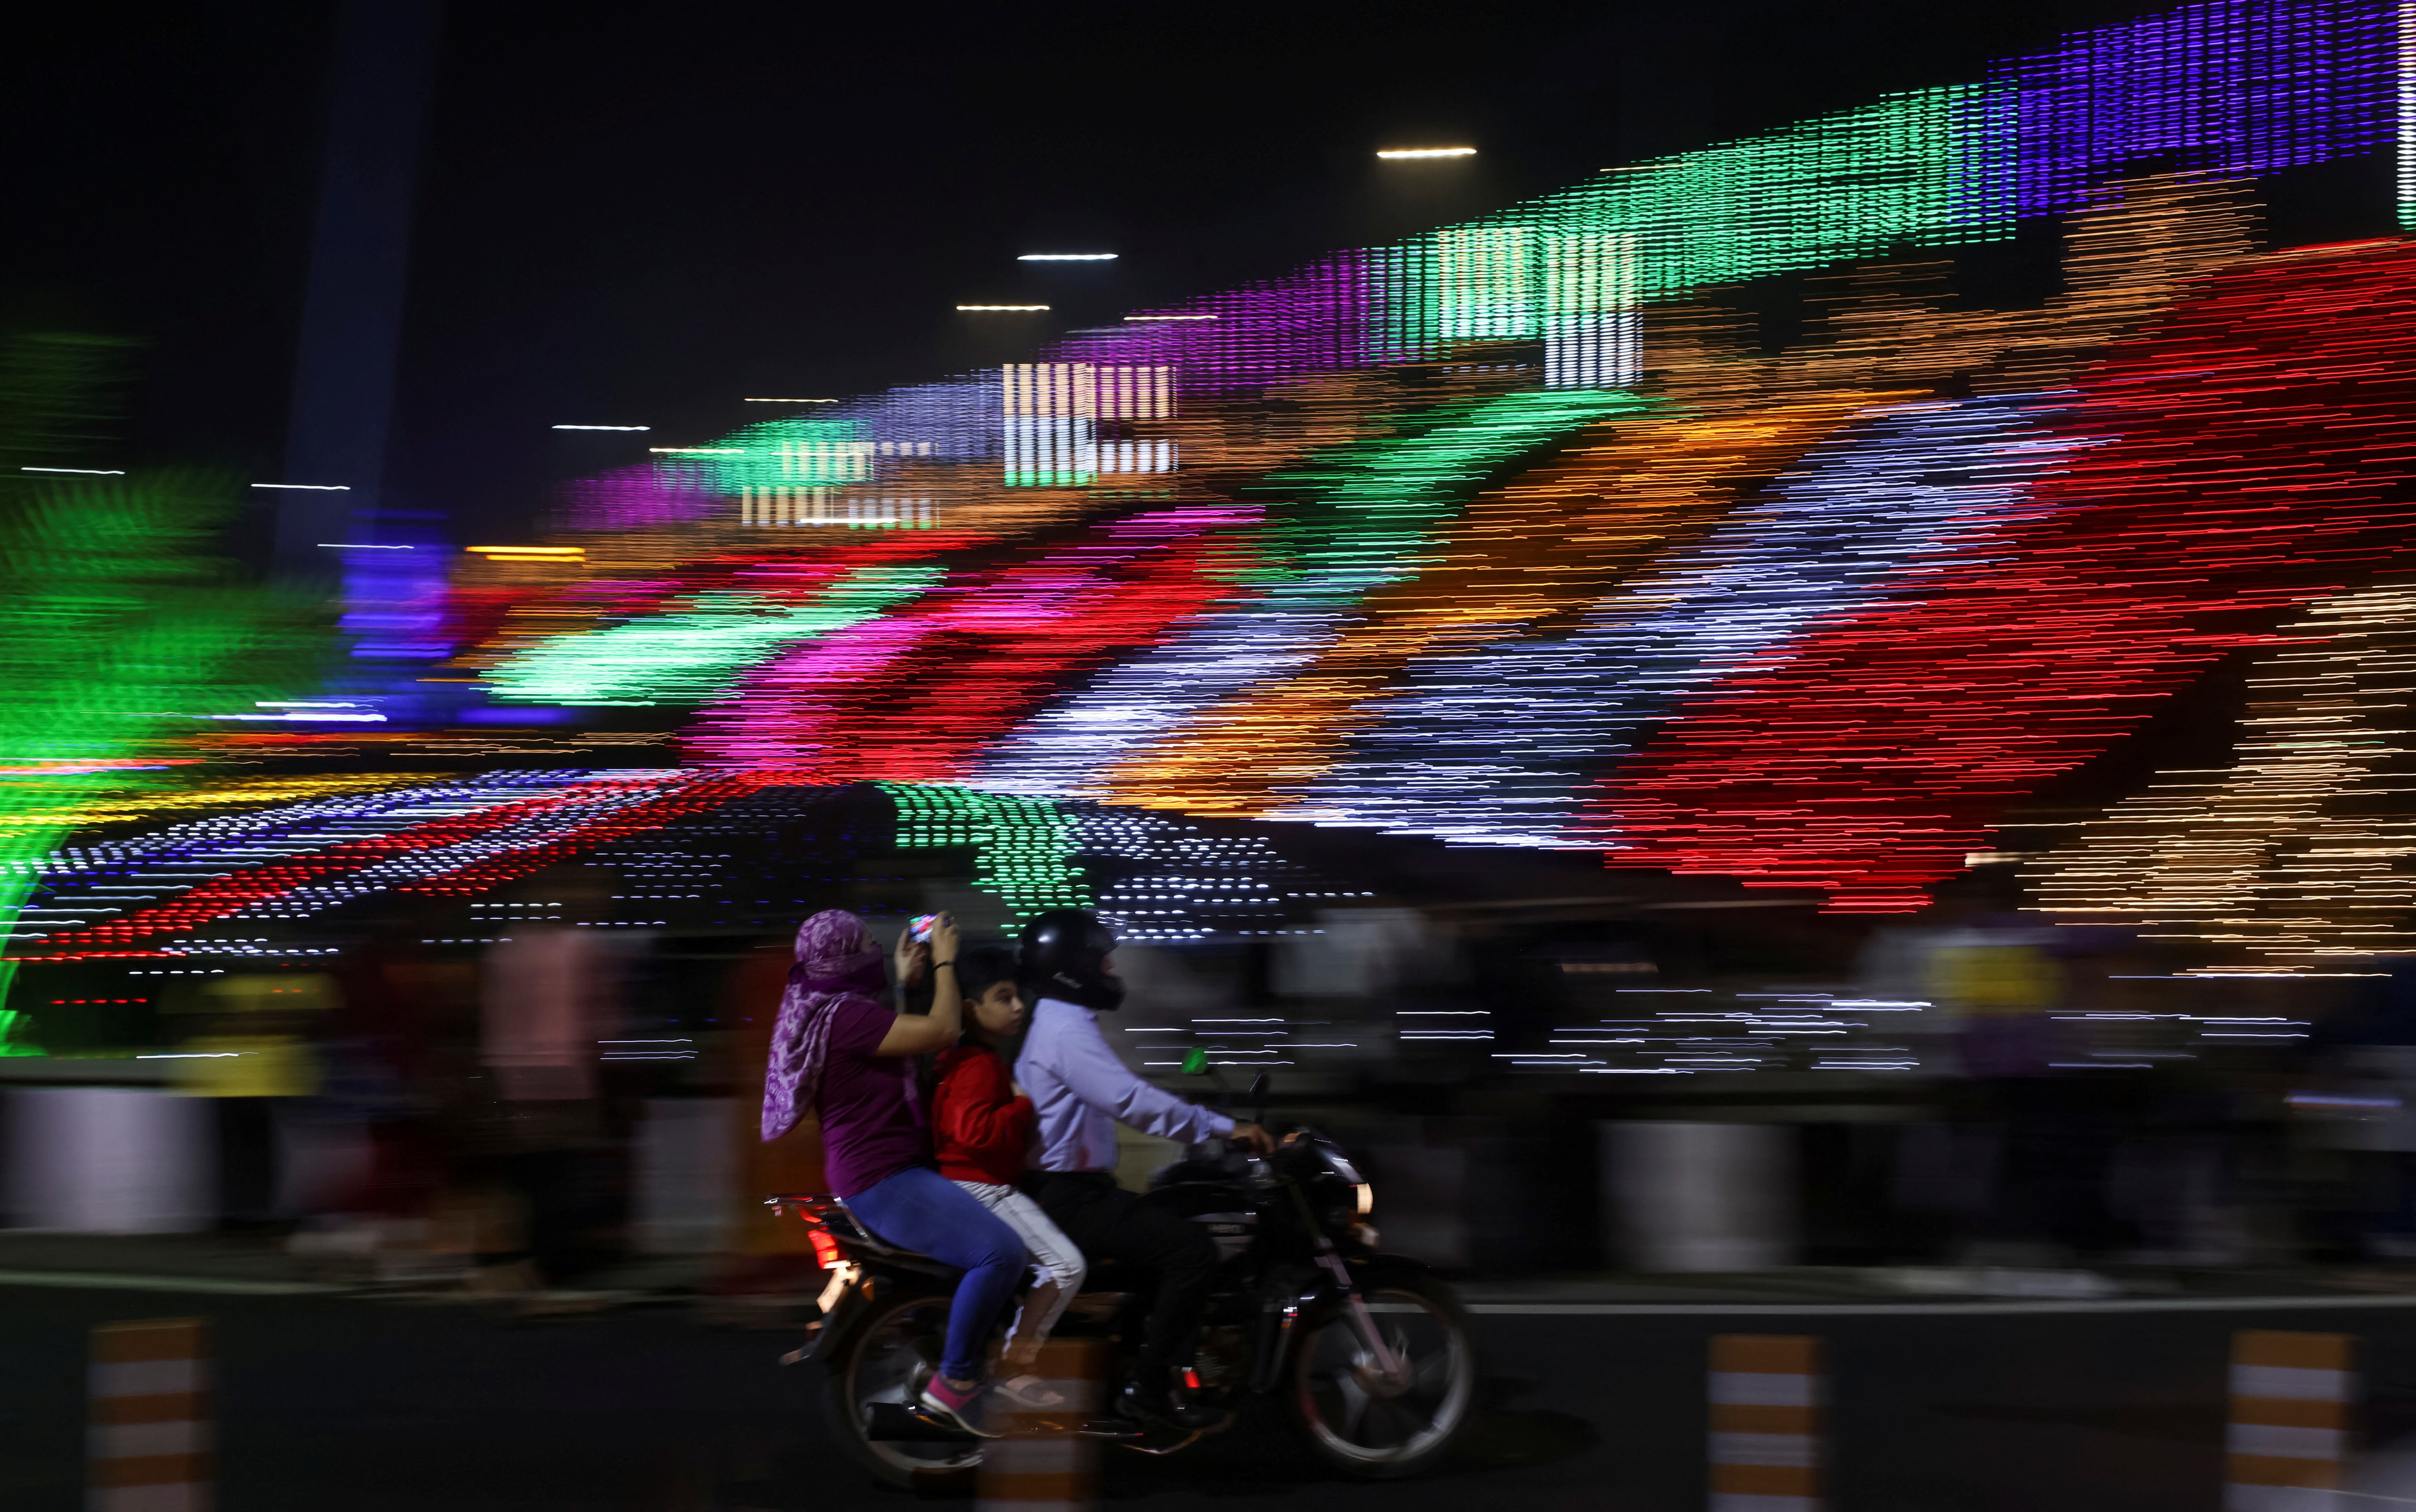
1514 532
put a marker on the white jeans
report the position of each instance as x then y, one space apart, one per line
1059 1263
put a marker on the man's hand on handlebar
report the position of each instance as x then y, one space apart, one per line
1250 1138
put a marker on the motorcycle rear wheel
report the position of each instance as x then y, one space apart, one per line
885 1358
1353 1420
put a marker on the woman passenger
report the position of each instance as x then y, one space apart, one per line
837 1050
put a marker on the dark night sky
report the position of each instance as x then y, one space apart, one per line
641 214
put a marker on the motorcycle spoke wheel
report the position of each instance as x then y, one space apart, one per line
1348 1412
890 1366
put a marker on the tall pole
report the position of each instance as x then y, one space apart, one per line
379 67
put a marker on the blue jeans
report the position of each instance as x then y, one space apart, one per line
921 1210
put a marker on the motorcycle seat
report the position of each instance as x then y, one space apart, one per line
833 1213
1105 1276
872 1242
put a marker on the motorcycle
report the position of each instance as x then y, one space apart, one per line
1370 1354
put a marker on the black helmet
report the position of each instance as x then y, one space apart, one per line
1063 954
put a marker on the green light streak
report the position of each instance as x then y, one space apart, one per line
1931 167
1025 847
1373 505
13 1026
786 454
700 654
121 629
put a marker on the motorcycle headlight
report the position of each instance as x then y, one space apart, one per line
1366 1190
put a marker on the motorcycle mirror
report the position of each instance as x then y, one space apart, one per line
1259 1096
1195 1063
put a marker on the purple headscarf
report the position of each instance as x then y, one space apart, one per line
837 959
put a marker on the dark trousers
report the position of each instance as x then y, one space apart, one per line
1109 1223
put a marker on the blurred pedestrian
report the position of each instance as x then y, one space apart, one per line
255 1059
551 991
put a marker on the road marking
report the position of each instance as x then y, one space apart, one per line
224 1286
2291 1397
1930 1309
148 1450
1765 1422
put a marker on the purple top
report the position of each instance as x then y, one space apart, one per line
872 1117
835 959
875 1124
1081 1092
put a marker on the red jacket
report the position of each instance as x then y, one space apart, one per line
979 1127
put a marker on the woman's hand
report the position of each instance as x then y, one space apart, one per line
943 938
913 959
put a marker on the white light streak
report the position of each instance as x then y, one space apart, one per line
603 426
1002 307
309 487
1427 152
87 472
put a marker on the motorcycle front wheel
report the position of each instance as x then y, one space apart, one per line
886 1357
1368 1426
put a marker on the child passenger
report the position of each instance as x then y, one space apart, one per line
981 1125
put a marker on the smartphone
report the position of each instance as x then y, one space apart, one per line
918 928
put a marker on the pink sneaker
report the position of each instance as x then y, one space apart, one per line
958 1408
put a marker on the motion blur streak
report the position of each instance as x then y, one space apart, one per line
2249 454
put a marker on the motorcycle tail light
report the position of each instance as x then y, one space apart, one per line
826 1248
1190 1377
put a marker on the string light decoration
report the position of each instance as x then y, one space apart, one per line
2225 87
698 652
434 842
120 628
2300 848
1053 411
2252 450
1173 882
913 696
1023 848
1516 532
1495 745
1368 513
1374 504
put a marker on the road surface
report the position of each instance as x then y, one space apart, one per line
387 1407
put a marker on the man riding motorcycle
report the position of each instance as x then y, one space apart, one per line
1080 1091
